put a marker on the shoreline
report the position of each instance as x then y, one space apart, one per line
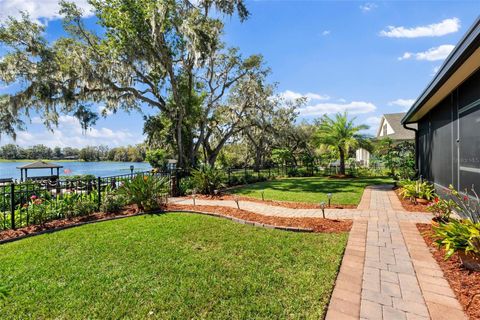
65 160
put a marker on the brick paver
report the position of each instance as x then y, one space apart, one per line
387 271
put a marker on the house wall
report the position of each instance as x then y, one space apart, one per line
381 132
449 138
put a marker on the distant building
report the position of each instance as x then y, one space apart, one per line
390 127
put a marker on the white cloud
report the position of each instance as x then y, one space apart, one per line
47 9
405 104
326 32
373 121
432 54
432 30
291 95
69 134
369 6
354 107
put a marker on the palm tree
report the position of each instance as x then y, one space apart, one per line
341 133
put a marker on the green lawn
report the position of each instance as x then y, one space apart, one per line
312 189
177 265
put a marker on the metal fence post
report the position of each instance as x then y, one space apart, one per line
12 204
99 183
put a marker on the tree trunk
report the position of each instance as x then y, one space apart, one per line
342 161
181 162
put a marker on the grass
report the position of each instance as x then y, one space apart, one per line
170 266
312 189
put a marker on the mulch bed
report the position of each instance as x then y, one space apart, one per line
316 224
409 205
285 204
465 283
62 223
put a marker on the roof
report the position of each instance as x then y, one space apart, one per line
394 120
40 165
462 62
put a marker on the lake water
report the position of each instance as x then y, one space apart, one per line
9 169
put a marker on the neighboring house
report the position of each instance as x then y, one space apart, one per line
390 127
448 118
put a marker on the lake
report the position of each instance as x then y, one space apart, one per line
71 168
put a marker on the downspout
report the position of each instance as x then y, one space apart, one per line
417 154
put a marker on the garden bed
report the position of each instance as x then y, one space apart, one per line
409 205
10 234
285 204
314 224
465 283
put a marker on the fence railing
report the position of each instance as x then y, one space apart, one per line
37 202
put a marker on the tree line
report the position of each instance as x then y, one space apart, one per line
135 153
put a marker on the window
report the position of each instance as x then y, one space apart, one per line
385 130
469 128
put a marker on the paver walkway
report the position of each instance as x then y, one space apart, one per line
387 271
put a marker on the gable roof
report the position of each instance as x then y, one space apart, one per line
400 133
462 62
40 165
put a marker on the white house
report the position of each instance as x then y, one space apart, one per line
390 127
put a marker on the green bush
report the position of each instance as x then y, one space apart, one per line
463 235
186 185
144 191
207 179
442 209
112 202
157 158
417 189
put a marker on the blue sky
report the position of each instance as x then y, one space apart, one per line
368 58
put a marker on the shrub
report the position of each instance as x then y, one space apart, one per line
157 158
442 209
417 189
207 179
144 191
458 235
186 185
468 206
112 202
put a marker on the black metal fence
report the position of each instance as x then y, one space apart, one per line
36 202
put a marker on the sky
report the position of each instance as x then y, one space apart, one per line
366 58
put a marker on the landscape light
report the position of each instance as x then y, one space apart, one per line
194 195
263 195
235 198
322 205
329 196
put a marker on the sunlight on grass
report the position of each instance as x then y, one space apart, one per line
312 189
170 266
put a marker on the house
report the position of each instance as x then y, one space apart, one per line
448 117
390 127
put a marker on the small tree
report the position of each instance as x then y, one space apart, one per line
341 133
157 158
